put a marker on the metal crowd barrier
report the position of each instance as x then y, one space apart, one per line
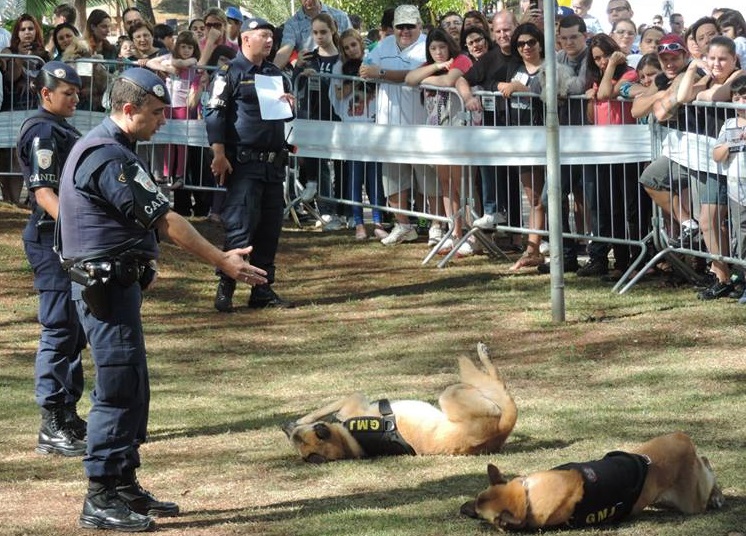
386 130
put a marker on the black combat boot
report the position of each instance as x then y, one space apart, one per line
74 422
142 501
224 295
56 436
104 509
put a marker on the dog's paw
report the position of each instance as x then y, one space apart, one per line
717 499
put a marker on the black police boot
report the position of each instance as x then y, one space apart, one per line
56 436
74 422
142 501
104 509
263 296
224 295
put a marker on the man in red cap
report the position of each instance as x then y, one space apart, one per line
665 181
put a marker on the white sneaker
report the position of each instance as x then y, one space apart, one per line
446 247
400 233
434 234
309 192
489 221
465 250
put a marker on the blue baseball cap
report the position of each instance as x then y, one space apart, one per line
63 71
147 80
234 13
256 23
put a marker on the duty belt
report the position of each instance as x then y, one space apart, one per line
255 156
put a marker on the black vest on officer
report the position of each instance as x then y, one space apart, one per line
89 222
233 117
611 487
49 127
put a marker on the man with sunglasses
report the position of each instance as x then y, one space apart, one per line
665 181
619 9
296 34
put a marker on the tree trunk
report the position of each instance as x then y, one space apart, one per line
82 17
146 8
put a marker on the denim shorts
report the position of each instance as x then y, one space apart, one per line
664 174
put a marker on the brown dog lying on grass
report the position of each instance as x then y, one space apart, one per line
665 471
476 416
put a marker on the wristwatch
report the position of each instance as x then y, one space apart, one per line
381 73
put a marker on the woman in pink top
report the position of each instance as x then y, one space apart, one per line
445 64
614 203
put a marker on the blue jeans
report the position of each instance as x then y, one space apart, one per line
368 173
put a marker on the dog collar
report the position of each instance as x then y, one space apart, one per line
379 436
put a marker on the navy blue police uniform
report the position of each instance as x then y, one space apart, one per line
44 141
256 148
109 206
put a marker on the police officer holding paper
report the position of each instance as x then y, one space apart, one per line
44 141
249 157
110 212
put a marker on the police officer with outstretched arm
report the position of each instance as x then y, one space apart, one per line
111 215
44 141
249 157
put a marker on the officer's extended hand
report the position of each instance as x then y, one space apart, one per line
221 167
236 267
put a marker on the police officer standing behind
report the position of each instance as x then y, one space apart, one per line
249 157
44 141
110 212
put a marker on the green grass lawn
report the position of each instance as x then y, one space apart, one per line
619 371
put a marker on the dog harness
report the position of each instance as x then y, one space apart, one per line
379 436
611 487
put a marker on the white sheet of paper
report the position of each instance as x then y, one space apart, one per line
269 90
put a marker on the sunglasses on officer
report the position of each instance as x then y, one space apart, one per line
671 47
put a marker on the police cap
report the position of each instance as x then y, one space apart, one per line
63 72
256 23
148 81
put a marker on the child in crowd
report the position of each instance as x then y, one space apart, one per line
354 101
126 48
733 25
445 64
730 152
581 8
648 68
314 103
182 82
221 55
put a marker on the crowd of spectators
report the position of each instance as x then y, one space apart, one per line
640 71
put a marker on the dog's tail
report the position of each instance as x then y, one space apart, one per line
484 356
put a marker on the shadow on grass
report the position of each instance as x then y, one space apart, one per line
380 507
448 488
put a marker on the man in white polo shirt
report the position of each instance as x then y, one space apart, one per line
390 61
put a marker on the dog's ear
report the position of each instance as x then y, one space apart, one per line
322 431
493 473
